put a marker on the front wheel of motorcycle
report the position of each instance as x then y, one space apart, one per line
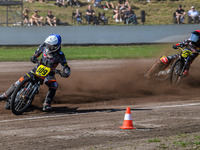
20 100
176 70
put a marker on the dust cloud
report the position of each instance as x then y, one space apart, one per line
125 81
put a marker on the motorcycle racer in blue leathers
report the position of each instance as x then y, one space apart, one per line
52 56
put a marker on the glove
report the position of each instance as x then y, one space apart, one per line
175 47
178 45
66 72
34 59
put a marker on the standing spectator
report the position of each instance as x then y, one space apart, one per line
90 15
117 14
36 19
109 4
180 15
51 19
130 17
26 16
193 15
78 17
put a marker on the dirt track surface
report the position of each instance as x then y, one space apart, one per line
90 106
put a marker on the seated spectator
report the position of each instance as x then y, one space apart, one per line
109 4
74 3
97 3
180 15
78 17
102 18
127 4
26 16
130 17
30 1
51 19
90 15
123 4
193 15
60 3
41 1
36 19
117 14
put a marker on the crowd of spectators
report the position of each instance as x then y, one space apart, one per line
38 20
122 12
193 15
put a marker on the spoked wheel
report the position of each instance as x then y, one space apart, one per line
176 72
20 99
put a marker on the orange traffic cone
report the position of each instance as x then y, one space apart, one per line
127 124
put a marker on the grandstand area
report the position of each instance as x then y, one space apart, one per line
157 11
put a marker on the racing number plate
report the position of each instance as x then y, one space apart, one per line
186 53
43 71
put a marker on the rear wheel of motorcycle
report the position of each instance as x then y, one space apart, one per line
175 75
155 72
18 103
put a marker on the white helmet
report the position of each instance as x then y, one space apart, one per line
53 43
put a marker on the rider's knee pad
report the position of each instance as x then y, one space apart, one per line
52 85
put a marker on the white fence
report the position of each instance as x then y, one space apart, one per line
98 34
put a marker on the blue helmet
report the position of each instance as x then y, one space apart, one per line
53 43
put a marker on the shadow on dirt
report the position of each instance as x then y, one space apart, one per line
82 98
75 110
67 110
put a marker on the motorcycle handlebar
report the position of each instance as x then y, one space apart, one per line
198 51
57 71
180 48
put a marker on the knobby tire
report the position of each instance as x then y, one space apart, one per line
20 103
175 75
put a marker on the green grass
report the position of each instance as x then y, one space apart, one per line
89 52
155 140
180 141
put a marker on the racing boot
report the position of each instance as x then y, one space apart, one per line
46 107
3 97
49 97
7 105
186 73
8 94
